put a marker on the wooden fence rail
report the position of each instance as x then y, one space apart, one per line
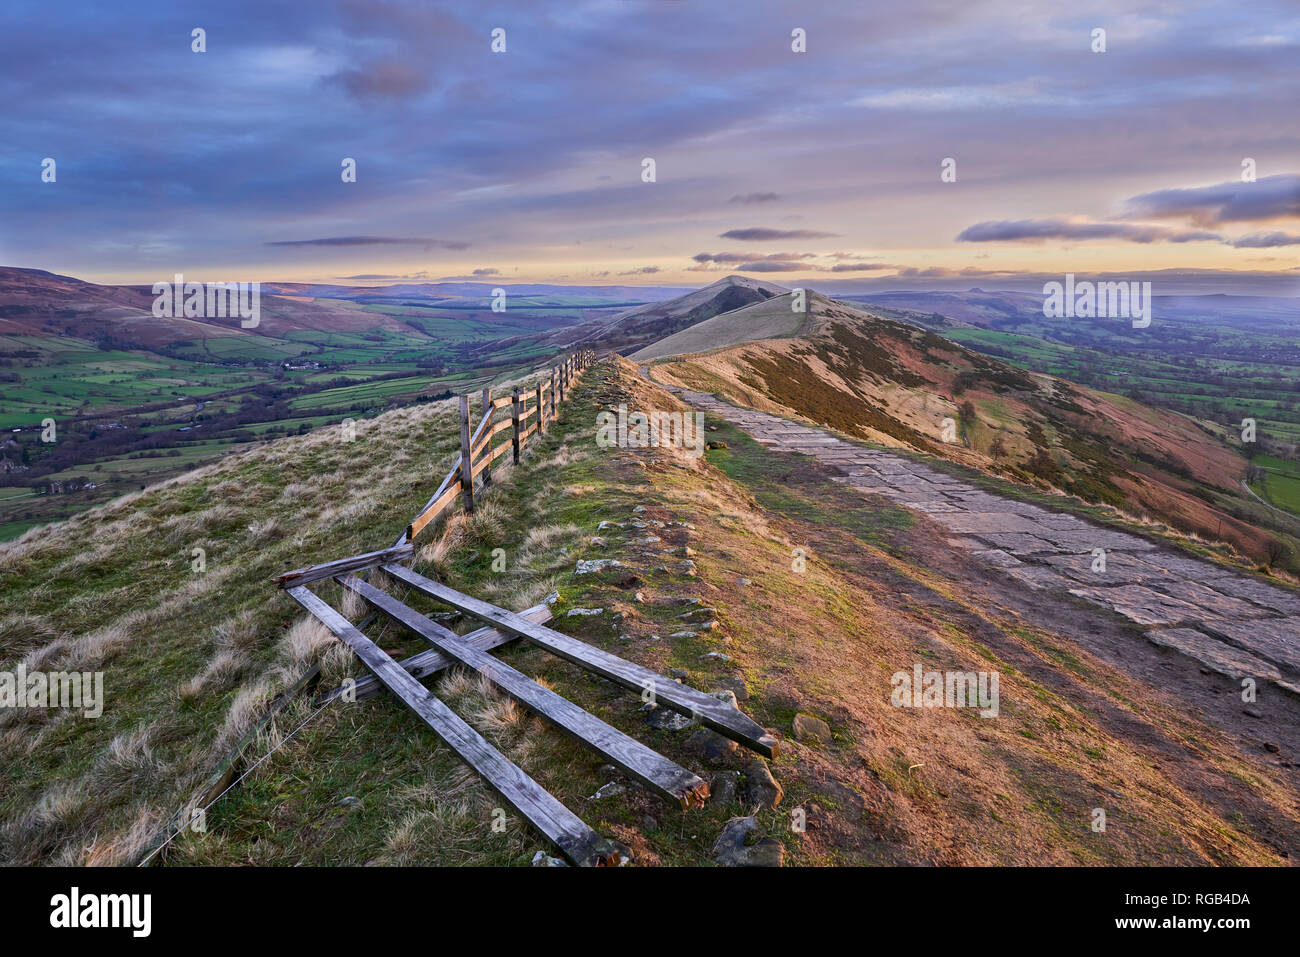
530 411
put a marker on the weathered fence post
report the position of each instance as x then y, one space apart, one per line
487 435
554 404
466 463
514 421
541 412
559 375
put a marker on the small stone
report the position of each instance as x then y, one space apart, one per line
664 719
736 686
716 654
1271 748
648 540
581 612
552 598
682 551
682 634
542 859
677 673
596 565
639 510
597 541
686 568
606 526
726 696
639 598
807 728
351 803
709 626
612 789
730 851
722 789
711 746
761 788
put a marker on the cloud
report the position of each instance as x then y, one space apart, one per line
763 233
1038 230
860 267
749 199
372 241
1273 197
1266 240
487 272
768 265
747 257
643 271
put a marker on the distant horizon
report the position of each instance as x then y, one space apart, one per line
1163 284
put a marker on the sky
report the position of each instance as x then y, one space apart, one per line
822 168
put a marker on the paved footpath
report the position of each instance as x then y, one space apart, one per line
1231 623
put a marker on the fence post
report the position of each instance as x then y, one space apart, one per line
541 413
487 433
559 374
466 465
554 388
514 421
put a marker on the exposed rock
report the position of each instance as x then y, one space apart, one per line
677 673
351 803
725 696
729 849
639 510
808 728
682 634
598 542
686 568
612 789
541 859
761 788
710 745
708 626
595 565
736 686
723 787
666 719
743 582
579 612
716 654
552 598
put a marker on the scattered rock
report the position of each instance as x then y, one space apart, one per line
606 526
716 654
682 551
677 673
682 634
726 696
736 686
595 565
686 568
808 728
708 626
723 787
351 803
597 541
541 859
612 789
552 598
665 719
730 851
711 746
761 789
743 582
648 540
579 612
639 510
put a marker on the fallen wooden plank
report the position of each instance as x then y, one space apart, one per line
429 662
626 753
704 708
301 576
578 843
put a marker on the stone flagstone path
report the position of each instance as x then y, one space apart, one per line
1229 622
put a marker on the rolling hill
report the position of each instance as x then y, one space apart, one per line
897 384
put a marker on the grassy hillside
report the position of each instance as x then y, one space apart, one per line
191 658
890 382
